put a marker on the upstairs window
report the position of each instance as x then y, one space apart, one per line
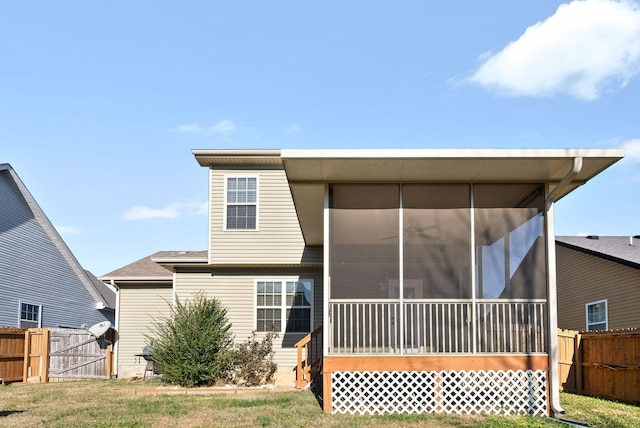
241 203
30 315
597 315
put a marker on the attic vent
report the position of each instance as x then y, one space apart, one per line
636 236
593 237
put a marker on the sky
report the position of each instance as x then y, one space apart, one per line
101 103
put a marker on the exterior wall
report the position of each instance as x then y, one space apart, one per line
583 278
33 270
236 290
137 306
278 238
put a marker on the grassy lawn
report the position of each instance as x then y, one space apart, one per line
135 404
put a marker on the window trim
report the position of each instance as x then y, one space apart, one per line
283 304
227 204
606 314
20 319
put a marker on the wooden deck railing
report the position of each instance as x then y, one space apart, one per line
309 357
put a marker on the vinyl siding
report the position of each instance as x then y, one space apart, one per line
583 278
278 238
33 270
235 290
138 305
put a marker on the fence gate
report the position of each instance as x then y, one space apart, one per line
11 354
77 354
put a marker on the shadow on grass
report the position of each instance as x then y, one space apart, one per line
316 388
5 413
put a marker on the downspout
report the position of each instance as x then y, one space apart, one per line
576 167
552 301
116 347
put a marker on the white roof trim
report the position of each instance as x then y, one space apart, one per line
136 278
448 153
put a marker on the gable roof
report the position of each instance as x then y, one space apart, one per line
619 249
107 293
53 235
149 269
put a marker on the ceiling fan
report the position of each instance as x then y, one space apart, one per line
417 232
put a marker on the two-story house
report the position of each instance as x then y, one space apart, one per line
42 284
598 282
428 276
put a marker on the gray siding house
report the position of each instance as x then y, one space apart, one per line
598 282
41 282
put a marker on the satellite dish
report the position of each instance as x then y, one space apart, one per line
100 329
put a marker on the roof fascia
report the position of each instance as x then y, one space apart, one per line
447 153
217 157
174 260
111 279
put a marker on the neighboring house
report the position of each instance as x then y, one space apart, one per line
41 282
428 275
598 282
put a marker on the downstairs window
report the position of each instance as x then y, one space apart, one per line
284 303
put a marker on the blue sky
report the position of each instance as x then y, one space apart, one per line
102 102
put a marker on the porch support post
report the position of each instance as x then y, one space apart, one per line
400 325
554 382
472 240
326 280
327 405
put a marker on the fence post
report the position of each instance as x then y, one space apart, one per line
109 362
577 351
27 359
44 366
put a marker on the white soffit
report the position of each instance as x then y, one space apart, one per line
444 165
308 171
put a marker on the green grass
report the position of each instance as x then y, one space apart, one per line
136 404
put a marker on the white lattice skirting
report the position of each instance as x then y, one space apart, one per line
462 392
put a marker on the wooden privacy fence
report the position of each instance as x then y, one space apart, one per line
11 354
601 363
54 354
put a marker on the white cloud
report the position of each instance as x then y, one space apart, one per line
632 148
224 126
293 129
68 230
190 128
171 211
632 158
585 48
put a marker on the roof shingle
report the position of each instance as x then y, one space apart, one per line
624 249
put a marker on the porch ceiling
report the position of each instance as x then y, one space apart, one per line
309 170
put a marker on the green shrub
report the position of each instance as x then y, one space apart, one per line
253 363
191 345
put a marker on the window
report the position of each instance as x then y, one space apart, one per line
284 303
597 315
30 315
241 203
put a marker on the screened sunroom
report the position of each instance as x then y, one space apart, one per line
423 269
439 274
